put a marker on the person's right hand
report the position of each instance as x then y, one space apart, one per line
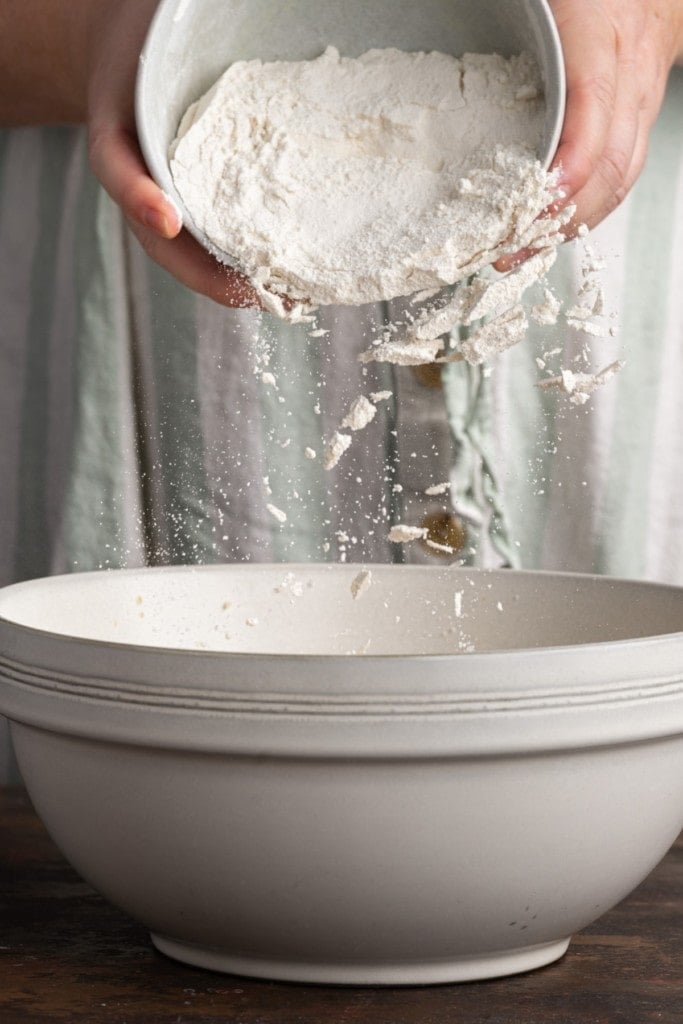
114 32
618 55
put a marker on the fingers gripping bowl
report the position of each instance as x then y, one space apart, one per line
212 751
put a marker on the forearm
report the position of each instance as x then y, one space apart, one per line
43 62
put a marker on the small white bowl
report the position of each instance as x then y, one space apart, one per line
207 752
190 44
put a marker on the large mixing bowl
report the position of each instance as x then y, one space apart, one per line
440 780
190 44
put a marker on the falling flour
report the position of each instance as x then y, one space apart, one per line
361 413
277 513
335 449
580 386
402 534
345 181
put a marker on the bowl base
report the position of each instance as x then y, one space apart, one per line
435 972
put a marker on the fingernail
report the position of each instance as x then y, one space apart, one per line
177 217
157 221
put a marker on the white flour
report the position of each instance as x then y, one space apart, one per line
580 386
362 412
403 534
336 448
361 583
345 181
277 513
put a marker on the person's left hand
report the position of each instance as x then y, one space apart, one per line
113 35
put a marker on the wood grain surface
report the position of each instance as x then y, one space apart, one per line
66 955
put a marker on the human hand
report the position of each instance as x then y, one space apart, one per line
618 55
114 32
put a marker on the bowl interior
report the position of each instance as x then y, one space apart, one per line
407 610
191 43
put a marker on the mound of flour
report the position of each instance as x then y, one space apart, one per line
342 181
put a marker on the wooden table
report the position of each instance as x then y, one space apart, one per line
67 955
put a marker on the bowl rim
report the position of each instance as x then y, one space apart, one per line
523 703
657 639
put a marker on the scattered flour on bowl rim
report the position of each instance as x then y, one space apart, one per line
361 583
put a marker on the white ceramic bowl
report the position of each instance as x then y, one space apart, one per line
208 752
190 44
